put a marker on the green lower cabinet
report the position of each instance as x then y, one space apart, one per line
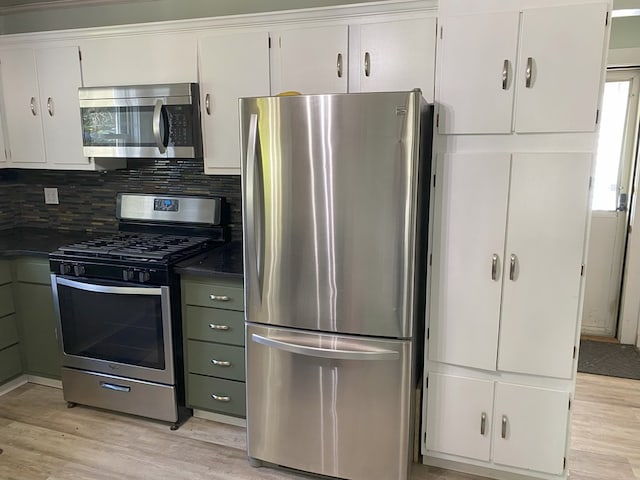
10 363
36 319
217 394
8 331
216 360
6 300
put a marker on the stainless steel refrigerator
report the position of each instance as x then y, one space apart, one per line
335 193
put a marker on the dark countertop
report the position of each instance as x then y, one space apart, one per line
224 261
36 241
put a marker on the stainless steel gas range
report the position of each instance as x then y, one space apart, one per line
117 302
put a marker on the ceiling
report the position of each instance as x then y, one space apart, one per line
15 6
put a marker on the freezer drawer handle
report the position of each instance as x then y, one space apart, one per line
117 388
220 398
220 298
326 353
220 363
213 326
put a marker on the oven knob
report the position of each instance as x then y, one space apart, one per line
127 275
78 270
65 269
143 276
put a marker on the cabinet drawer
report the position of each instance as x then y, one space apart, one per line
201 357
215 325
33 270
231 395
6 301
10 364
5 272
214 295
8 331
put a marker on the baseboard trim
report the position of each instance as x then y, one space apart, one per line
47 382
13 384
216 417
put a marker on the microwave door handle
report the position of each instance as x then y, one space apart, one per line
157 134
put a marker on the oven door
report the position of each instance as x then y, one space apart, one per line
115 328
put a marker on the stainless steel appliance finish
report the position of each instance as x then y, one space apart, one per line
117 302
141 121
334 196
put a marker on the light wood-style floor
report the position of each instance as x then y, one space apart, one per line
40 439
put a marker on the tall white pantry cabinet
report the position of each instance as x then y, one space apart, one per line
518 91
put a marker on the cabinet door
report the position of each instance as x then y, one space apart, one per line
548 210
471 211
459 416
530 427
59 78
394 56
560 69
310 60
475 73
231 66
140 59
22 105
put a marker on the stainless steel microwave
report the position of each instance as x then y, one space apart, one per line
141 121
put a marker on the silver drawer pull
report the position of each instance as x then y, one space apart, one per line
213 326
117 388
483 423
220 363
219 298
220 398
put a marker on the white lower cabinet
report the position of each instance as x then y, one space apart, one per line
497 423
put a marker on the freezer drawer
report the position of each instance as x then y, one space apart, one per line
329 404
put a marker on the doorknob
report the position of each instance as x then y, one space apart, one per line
622 202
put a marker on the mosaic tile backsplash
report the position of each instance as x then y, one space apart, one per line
88 199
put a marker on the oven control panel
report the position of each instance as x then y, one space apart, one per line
117 273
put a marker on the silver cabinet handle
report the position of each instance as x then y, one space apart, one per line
483 423
220 398
529 72
207 103
505 421
117 388
50 106
339 65
505 74
32 104
219 298
512 266
220 363
494 266
367 64
214 326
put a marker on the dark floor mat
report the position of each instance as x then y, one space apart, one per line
611 359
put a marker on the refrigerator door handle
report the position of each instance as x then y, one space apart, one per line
254 243
334 354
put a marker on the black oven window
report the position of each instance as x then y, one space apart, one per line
117 328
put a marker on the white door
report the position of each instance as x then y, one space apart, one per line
609 216
530 427
459 416
477 55
23 108
393 56
59 78
231 66
548 211
559 68
471 197
310 60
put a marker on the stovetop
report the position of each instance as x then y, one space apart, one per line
136 246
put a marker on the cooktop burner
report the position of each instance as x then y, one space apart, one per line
123 245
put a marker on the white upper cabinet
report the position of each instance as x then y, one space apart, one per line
23 109
140 59
514 300
231 66
392 56
310 60
554 75
560 68
59 78
475 73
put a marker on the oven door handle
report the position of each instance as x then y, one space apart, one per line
92 287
